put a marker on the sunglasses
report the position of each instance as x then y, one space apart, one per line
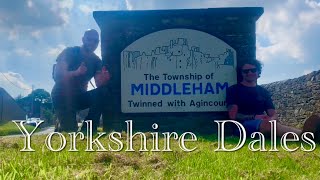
246 71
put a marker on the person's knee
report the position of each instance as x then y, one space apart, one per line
265 127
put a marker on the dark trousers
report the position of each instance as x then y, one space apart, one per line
67 105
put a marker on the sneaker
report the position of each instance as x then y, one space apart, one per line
83 129
312 124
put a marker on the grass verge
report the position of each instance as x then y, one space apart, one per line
9 128
203 163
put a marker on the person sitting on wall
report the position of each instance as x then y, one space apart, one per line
252 106
72 73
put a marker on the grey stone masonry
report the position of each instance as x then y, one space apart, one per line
296 99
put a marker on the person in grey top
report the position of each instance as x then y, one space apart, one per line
74 68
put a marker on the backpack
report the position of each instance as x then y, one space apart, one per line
74 53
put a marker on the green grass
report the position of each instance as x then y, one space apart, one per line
203 163
9 128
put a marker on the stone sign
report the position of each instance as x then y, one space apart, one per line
172 67
176 70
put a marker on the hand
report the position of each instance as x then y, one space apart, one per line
82 69
263 117
105 75
102 77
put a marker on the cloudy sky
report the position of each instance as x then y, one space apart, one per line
33 32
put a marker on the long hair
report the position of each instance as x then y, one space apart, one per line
254 62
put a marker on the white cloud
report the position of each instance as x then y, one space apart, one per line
287 47
33 14
14 84
65 17
29 3
23 52
310 70
36 34
307 71
310 18
313 4
21 20
56 51
85 9
284 40
62 10
41 25
284 26
68 4
129 5
13 35
283 23
188 4
88 7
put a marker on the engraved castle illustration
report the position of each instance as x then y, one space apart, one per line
177 54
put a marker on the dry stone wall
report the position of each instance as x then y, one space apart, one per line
296 99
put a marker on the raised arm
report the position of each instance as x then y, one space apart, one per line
233 111
272 113
102 77
61 73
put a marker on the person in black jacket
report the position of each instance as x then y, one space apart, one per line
74 69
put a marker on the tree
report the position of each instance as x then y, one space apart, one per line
40 95
18 97
36 102
48 116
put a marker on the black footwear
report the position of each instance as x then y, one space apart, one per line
312 124
59 128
